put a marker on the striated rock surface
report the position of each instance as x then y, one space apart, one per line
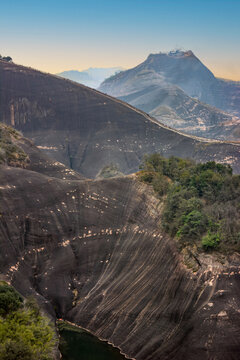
93 252
87 130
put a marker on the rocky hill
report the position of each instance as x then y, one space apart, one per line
93 252
87 130
176 88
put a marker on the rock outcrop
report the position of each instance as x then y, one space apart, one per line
94 253
87 130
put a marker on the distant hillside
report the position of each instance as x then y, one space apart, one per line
87 130
176 88
91 77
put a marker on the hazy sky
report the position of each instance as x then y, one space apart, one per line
61 35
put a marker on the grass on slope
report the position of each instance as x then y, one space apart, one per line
10 152
202 201
109 171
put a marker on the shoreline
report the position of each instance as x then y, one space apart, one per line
99 338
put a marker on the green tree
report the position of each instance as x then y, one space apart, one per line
200 198
25 334
10 300
210 241
193 225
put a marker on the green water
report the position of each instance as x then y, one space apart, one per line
77 344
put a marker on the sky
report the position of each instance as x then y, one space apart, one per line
55 36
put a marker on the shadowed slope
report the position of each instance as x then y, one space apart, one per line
87 130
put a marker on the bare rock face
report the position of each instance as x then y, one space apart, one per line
87 130
93 252
17 151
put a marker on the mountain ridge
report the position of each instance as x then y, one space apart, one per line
91 77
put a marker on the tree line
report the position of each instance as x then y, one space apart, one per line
201 201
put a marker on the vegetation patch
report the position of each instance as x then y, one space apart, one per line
201 201
25 334
109 171
10 153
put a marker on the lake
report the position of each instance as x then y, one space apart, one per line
78 344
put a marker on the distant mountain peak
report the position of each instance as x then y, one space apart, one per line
178 53
175 87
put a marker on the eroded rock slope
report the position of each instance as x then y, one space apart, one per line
93 252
